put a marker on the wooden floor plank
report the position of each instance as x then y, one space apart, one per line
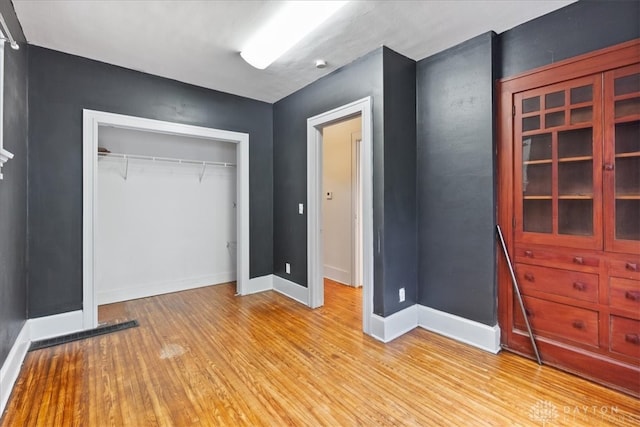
205 357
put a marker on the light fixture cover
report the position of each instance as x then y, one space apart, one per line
295 20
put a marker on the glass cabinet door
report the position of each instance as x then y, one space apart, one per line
558 158
622 159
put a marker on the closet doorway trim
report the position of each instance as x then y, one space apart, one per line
92 120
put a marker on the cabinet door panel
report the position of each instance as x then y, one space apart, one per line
622 159
558 155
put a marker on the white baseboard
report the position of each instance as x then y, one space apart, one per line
291 290
56 325
391 327
12 365
34 330
337 274
151 289
460 329
259 284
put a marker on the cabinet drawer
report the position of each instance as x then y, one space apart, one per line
624 294
557 320
625 336
573 284
568 258
625 266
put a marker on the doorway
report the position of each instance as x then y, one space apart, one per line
315 196
341 204
93 122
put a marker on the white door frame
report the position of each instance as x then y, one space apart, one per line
356 211
315 263
92 120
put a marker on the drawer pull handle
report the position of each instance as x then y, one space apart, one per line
528 254
578 324
578 260
632 338
529 277
631 266
633 296
579 286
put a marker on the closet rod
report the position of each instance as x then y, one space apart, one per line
166 159
7 34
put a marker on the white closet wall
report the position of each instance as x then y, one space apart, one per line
162 229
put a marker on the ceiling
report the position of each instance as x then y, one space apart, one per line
198 42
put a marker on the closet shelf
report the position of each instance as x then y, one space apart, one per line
126 158
165 159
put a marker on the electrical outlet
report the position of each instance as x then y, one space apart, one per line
287 268
300 208
401 295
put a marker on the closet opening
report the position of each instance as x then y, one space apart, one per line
166 219
166 208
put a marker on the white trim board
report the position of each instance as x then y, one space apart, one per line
34 330
388 328
259 284
337 274
92 120
5 155
315 264
12 365
56 325
136 291
291 290
460 329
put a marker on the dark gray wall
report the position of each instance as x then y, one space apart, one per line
455 112
449 103
60 86
13 191
579 28
355 81
389 79
455 151
399 239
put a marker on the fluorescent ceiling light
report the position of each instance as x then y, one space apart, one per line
295 20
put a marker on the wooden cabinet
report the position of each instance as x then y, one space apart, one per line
569 206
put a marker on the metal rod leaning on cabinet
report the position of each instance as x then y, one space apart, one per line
516 288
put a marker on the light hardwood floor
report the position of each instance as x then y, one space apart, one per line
204 357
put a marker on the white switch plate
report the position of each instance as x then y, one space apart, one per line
401 294
287 268
300 208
